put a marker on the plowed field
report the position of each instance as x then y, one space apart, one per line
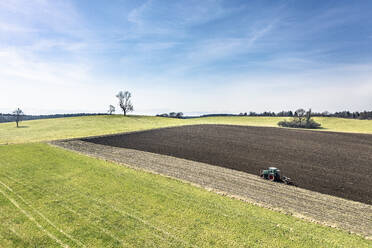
338 164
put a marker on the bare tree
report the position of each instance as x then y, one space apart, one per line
300 115
308 116
18 115
125 102
111 109
301 119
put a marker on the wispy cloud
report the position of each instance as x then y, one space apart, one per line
174 17
28 67
12 28
31 70
193 51
199 51
135 15
155 46
260 33
54 15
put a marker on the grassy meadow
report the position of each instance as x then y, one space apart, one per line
73 127
50 197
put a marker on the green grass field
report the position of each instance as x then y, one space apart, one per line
53 129
50 197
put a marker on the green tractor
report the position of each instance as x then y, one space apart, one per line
273 174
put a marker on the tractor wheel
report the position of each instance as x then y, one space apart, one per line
271 177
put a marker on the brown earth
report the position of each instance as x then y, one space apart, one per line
338 164
326 209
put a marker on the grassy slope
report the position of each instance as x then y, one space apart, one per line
52 129
80 200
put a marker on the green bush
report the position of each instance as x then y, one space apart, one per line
301 120
311 124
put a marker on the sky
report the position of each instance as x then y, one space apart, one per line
195 57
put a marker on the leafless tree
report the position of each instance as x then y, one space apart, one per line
18 115
300 115
301 119
125 102
308 116
111 109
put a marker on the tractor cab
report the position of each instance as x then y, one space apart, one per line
272 174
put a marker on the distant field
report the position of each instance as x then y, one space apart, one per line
50 197
74 127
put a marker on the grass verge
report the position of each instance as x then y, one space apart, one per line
52 197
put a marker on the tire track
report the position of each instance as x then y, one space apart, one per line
99 202
31 218
65 206
45 218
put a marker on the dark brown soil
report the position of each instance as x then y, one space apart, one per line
338 164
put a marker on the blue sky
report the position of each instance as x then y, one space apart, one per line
190 56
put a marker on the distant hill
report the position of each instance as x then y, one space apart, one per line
365 115
10 117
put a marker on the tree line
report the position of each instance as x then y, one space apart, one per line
171 115
365 115
11 117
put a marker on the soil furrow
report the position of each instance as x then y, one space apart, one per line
337 164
